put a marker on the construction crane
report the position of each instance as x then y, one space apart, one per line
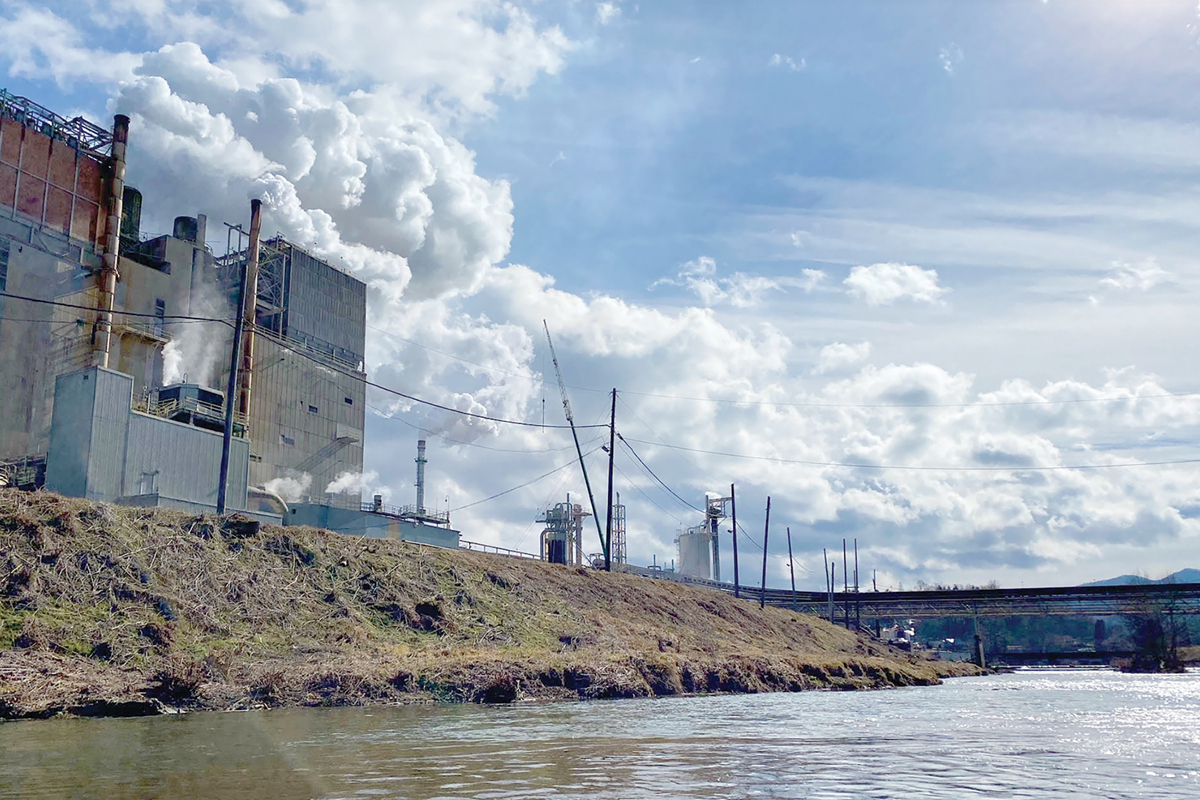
562 387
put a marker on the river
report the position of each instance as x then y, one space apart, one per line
1036 734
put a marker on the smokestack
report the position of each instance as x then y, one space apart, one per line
249 302
111 250
420 475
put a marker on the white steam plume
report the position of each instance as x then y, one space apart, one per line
292 488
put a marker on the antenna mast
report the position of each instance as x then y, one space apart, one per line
578 450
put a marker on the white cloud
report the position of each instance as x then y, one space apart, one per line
1129 277
950 57
738 290
884 284
607 12
778 60
839 355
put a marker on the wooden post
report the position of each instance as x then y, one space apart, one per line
845 587
857 603
828 582
737 591
791 567
762 597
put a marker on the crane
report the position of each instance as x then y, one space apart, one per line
562 387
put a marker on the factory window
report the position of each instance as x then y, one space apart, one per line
285 439
312 409
3 265
160 311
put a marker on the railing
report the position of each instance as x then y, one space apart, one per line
410 512
171 406
491 548
77 132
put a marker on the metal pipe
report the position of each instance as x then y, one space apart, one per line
421 476
248 305
109 271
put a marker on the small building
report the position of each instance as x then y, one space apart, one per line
374 520
103 449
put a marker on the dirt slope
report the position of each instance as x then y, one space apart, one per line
111 610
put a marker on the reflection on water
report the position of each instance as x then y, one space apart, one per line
1048 734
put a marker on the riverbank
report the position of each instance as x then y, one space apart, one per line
106 610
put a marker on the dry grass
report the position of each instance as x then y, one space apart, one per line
103 608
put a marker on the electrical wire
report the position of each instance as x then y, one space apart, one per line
523 485
851 465
638 489
390 416
115 312
286 345
1001 403
653 475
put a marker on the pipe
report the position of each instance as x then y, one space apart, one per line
109 271
249 302
421 476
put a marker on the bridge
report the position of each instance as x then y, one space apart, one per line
1174 598
1179 598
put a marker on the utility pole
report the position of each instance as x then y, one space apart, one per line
231 386
762 597
857 603
791 567
737 591
828 582
845 587
612 441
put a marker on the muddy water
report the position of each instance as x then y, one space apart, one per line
1083 734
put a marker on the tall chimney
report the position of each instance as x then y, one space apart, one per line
111 248
249 302
421 476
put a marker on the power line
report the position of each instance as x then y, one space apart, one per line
390 416
281 342
638 489
1001 403
653 475
523 485
1062 467
60 304
532 378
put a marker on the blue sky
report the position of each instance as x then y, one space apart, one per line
775 227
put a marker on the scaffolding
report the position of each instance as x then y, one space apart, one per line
77 133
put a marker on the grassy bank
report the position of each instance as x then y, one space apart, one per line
110 610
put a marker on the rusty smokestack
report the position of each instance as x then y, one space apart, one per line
249 302
111 246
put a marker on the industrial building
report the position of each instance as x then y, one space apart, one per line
96 315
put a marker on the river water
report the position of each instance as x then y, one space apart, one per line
1047 734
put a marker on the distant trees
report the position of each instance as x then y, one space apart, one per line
1156 632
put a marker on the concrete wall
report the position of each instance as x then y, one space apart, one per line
102 450
356 522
